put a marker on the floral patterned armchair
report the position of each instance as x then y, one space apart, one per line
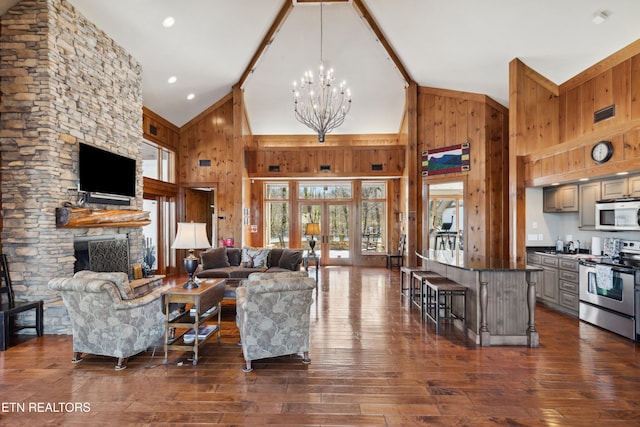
107 318
273 315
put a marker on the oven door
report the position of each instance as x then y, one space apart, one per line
619 297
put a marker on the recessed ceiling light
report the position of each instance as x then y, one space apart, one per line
172 79
622 173
168 22
584 179
191 96
599 17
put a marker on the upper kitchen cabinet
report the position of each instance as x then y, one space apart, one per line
560 199
589 194
622 187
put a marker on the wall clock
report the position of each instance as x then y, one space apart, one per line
602 151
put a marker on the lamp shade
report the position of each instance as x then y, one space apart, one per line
191 235
312 229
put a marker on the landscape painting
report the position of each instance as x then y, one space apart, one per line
450 159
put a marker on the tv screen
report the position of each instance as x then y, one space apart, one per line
105 172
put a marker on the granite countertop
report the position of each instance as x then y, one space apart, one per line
485 265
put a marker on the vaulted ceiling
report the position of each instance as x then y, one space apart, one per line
462 45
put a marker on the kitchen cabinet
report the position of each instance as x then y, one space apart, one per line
560 199
568 277
589 194
621 187
557 286
547 286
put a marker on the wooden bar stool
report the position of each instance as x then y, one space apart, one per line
407 271
417 292
439 302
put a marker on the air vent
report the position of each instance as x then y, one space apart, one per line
376 167
274 168
204 162
604 114
325 168
153 130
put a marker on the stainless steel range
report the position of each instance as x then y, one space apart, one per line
610 290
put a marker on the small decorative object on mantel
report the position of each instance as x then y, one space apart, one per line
67 217
450 159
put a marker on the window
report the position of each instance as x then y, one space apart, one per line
373 219
325 191
277 215
157 162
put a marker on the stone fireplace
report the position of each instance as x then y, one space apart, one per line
63 82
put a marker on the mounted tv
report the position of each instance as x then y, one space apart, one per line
106 177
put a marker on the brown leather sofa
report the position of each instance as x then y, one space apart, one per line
235 264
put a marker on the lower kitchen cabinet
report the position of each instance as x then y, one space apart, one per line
557 286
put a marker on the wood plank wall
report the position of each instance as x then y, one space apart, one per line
552 127
210 137
448 118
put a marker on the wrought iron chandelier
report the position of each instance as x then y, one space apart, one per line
317 103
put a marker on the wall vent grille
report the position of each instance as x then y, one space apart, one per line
604 113
325 168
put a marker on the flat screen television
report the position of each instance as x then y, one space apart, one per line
107 173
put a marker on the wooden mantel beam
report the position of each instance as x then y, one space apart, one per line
87 218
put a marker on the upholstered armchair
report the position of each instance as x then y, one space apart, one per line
106 317
273 315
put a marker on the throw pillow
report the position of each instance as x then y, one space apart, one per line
214 258
254 257
274 257
290 259
234 255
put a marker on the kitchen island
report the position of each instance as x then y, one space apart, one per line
501 299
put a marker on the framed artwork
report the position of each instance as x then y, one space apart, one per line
450 159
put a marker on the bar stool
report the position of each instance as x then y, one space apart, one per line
420 277
439 298
407 271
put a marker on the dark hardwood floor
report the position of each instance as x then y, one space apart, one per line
374 363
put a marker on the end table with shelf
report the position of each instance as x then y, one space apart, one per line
315 258
205 301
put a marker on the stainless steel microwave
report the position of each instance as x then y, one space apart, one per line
619 214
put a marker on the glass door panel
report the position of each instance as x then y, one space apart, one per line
339 234
311 222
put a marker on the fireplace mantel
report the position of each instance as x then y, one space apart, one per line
86 218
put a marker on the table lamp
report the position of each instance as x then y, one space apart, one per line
191 235
312 229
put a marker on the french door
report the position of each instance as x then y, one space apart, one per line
333 244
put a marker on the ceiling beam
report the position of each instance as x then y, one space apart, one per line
287 6
371 22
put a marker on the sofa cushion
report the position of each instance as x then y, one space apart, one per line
216 273
290 259
235 256
214 258
120 279
254 257
244 272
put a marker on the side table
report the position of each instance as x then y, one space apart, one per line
205 303
316 260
